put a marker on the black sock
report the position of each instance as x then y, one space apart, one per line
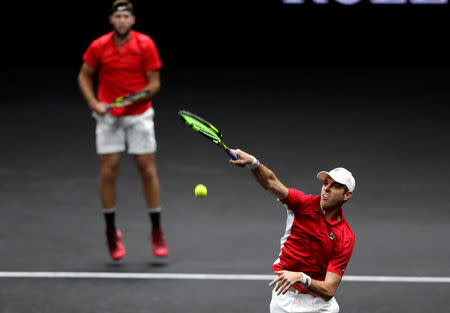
155 218
110 219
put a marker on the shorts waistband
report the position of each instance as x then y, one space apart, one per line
296 291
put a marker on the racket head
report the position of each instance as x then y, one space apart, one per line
201 126
205 128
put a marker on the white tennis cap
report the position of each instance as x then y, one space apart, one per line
341 175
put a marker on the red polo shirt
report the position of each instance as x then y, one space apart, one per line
121 72
313 244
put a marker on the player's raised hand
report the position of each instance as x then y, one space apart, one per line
243 158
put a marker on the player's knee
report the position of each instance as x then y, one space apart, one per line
148 173
108 173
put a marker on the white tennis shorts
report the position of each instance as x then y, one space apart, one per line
134 132
301 303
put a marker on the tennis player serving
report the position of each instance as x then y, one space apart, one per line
318 242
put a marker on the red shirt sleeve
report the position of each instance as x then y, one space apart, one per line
152 60
297 200
339 261
91 55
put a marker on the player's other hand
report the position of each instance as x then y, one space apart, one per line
243 158
98 107
285 280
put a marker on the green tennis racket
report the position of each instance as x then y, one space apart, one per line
206 129
130 99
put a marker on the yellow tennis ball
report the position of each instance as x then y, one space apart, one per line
200 191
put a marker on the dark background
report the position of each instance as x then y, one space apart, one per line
240 33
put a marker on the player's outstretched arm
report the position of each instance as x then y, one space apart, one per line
265 177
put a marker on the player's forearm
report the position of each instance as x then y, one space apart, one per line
268 180
154 83
263 175
153 88
87 88
322 289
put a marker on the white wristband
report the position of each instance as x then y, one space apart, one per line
254 164
306 281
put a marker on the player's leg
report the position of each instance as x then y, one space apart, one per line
141 141
146 166
110 141
150 184
109 165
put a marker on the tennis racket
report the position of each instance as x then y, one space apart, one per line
206 129
130 99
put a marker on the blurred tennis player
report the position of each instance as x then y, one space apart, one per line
126 62
318 242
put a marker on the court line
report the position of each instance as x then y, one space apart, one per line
109 275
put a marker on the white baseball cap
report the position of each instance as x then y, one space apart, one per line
341 175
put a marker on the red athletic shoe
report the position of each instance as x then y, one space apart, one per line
160 248
115 245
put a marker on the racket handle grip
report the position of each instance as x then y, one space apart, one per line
108 107
232 154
